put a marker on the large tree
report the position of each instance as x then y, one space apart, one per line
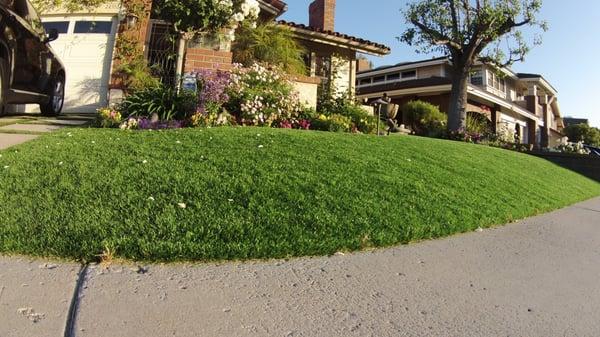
467 31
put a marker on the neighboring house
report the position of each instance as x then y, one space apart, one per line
575 121
87 41
526 103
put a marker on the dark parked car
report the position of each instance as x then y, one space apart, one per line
30 72
594 151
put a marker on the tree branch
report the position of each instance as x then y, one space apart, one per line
437 37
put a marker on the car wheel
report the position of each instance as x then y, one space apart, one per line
57 99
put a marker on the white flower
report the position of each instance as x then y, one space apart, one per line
260 146
60 163
93 142
182 205
178 142
238 17
230 200
151 198
5 167
144 162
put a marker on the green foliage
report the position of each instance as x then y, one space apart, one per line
268 43
424 119
195 16
478 123
71 5
333 123
583 133
161 100
361 120
302 193
137 75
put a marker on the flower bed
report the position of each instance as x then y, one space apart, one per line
260 95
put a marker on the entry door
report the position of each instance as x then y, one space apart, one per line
85 46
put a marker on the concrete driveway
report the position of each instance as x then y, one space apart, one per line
538 277
18 129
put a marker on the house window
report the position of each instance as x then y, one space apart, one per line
409 74
477 77
379 79
61 26
93 27
365 81
393 77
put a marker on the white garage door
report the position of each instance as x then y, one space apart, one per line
85 47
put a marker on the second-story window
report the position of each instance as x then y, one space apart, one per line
477 77
409 74
364 81
379 79
393 77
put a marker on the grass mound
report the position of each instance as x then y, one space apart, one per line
240 193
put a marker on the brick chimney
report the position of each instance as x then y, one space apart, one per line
321 14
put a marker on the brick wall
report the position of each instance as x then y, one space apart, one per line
201 58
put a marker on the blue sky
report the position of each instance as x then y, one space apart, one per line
569 57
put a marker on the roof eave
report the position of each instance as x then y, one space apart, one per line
364 48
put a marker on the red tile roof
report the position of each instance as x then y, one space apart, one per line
336 34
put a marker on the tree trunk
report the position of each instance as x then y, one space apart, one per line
457 112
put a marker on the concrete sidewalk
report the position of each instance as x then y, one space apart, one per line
538 277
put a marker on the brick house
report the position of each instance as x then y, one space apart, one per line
324 47
526 103
87 42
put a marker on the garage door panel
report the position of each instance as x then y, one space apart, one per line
86 51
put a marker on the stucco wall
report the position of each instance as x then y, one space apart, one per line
307 92
431 71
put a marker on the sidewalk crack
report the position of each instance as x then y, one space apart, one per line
73 307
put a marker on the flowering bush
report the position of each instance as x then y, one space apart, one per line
212 95
200 16
108 117
261 95
143 123
568 147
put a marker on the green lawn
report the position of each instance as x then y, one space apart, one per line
260 193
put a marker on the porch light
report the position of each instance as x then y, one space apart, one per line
131 20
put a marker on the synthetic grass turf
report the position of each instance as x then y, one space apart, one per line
260 193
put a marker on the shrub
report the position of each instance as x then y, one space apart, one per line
478 123
108 118
425 119
161 100
261 95
269 44
333 123
361 120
